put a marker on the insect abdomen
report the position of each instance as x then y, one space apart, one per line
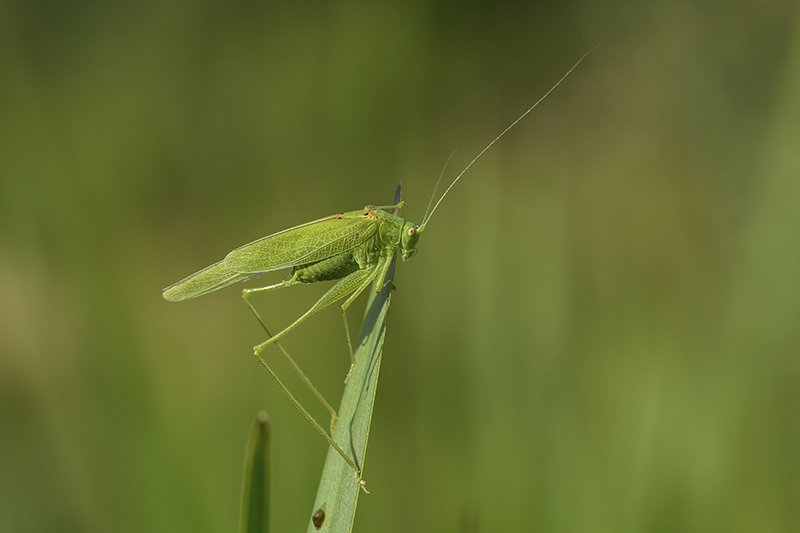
335 267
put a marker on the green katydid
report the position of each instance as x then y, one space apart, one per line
353 248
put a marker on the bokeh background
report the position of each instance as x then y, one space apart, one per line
600 330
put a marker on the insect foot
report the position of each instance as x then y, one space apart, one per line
361 483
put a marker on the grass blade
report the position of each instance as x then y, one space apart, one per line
335 506
257 472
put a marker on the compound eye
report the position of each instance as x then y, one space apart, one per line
412 230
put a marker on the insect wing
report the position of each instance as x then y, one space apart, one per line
299 245
209 279
304 244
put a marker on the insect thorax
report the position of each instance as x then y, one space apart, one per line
391 227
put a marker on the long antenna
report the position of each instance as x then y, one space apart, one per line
531 108
439 181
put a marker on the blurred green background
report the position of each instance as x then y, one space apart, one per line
600 330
